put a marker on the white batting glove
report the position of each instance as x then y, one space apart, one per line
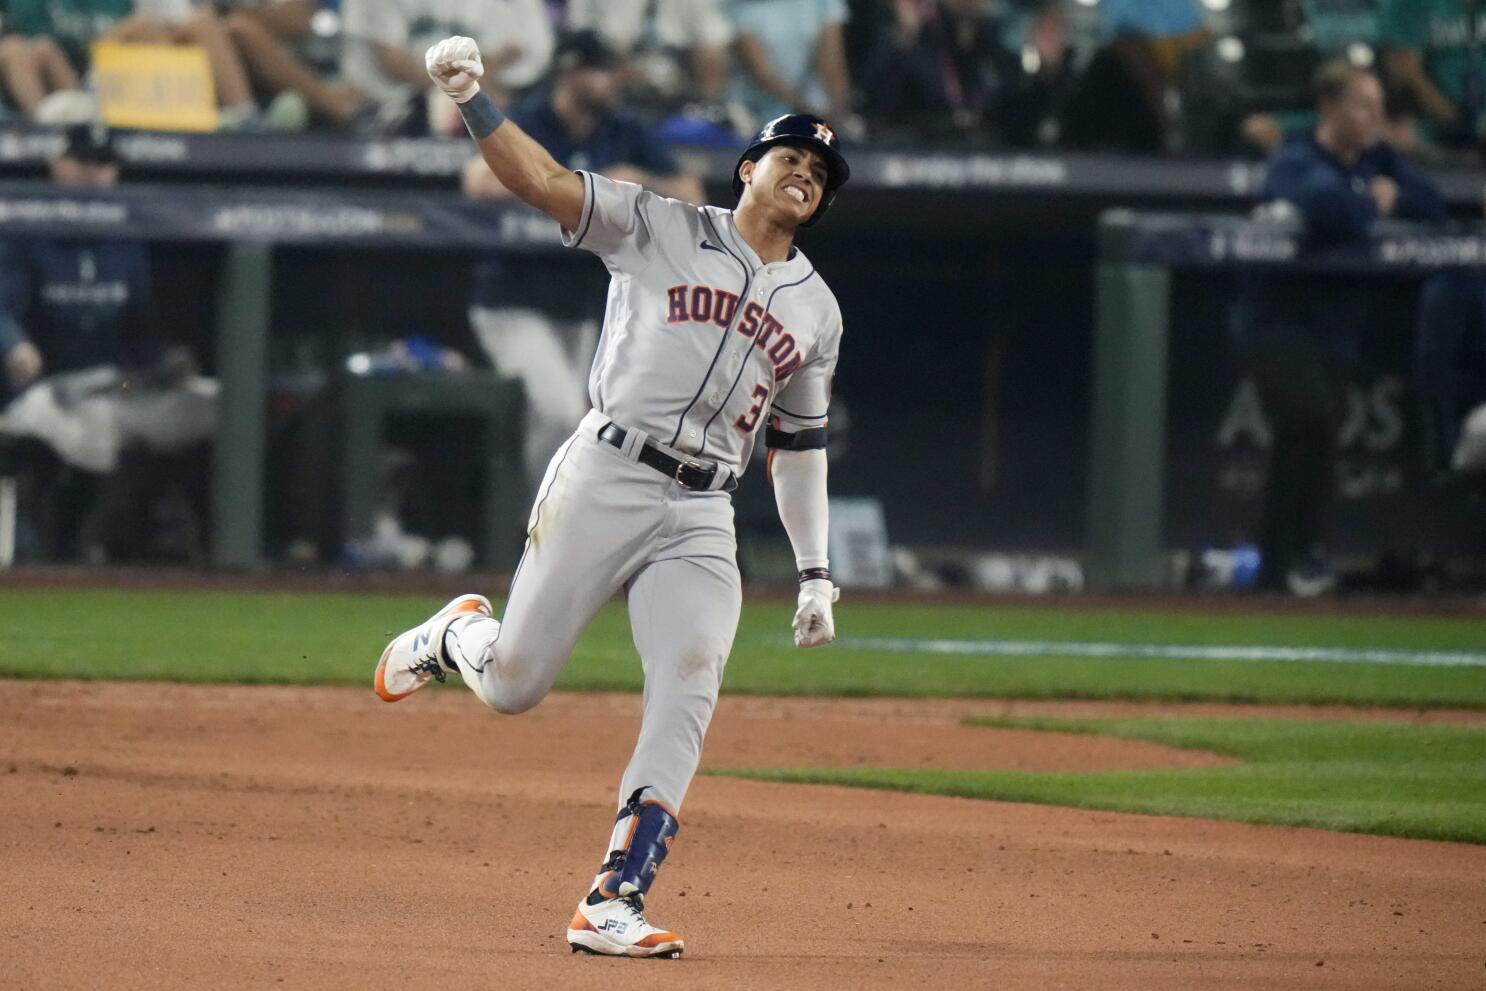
455 65
814 626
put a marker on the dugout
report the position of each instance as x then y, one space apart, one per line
967 283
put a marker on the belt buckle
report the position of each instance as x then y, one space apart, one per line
682 466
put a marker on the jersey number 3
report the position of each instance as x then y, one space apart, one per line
749 420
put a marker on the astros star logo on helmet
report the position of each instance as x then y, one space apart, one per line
824 133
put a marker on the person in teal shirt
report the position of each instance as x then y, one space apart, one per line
1149 18
73 24
791 58
1434 51
1335 25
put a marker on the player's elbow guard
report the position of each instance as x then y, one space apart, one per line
813 439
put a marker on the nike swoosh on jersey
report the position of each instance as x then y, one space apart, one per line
709 246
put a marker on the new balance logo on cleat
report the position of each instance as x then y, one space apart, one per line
412 658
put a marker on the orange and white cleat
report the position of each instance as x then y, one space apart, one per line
616 927
417 655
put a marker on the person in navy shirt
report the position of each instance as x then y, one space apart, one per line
1300 335
72 303
537 317
82 305
1339 180
579 120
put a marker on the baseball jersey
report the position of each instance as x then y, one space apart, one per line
82 303
703 343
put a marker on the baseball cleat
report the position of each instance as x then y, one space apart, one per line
417 655
617 928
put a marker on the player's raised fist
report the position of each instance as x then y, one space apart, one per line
454 64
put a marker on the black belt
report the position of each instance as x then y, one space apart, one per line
690 474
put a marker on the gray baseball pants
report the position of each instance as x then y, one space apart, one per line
603 522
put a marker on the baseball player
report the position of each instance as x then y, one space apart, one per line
717 330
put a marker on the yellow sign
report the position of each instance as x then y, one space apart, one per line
154 87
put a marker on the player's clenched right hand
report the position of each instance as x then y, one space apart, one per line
454 64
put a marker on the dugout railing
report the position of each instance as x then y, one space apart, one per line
1138 254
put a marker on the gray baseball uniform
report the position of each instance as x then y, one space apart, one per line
703 344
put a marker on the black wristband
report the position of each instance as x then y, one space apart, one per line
813 574
481 115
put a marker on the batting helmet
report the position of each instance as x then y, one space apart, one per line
806 131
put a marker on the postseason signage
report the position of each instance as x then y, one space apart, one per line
1186 241
442 159
446 220
306 218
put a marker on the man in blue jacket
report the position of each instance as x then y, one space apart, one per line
76 325
71 303
1300 336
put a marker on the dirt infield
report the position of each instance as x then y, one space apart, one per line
169 836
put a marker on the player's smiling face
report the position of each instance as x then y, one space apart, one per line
787 179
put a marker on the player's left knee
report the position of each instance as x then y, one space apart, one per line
700 660
515 703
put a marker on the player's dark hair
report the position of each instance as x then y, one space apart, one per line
1333 77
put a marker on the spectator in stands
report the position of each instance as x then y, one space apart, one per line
76 326
179 22
939 69
1164 21
674 52
1334 29
275 41
76 24
38 78
1436 51
385 40
1336 25
89 380
942 68
1267 131
579 120
1300 336
1030 113
1125 99
526 312
792 57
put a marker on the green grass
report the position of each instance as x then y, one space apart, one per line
1392 779
335 639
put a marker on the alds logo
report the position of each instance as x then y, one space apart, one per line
704 304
